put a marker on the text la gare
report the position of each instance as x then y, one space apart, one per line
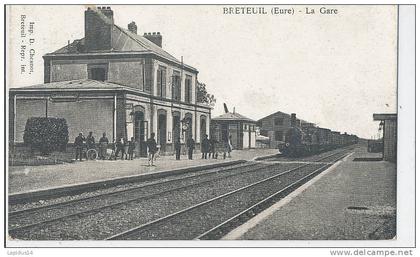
322 10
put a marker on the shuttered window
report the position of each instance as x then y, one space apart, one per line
176 86
148 75
161 82
188 89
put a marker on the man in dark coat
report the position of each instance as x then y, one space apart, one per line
90 141
103 145
178 148
131 147
212 151
190 146
205 145
152 147
78 144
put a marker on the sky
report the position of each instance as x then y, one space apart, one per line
332 70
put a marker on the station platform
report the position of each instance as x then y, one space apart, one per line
23 179
353 200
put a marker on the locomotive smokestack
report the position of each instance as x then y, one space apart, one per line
293 120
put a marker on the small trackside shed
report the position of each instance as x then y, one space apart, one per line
241 128
389 127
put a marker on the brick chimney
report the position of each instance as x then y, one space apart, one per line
98 29
293 120
154 37
132 27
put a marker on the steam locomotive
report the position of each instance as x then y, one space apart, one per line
308 140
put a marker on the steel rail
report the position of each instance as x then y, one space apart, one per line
61 204
123 234
264 201
12 230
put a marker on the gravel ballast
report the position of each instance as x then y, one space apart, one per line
102 224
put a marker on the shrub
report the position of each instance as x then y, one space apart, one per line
46 134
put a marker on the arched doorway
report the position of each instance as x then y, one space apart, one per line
140 133
188 126
161 136
176 126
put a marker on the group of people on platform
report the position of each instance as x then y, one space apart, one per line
208 148
126 148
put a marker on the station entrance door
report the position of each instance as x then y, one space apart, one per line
140 134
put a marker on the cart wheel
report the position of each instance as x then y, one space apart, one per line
92 154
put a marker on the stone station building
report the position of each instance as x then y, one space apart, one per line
115 81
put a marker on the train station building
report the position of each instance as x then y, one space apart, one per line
115 81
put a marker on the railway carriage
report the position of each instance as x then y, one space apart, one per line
307 140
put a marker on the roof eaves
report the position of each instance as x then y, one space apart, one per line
278 112
117 53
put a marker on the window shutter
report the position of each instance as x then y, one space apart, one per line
148 75
158 82
190 90
176 86
186 90
179 88
163 82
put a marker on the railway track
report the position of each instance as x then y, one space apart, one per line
203 173
207 220
22 221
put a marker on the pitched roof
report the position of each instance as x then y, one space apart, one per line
82 84
230 116
270 115
145 44
126 42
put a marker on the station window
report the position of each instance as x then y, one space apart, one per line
98 72
188 89
161 81
176 86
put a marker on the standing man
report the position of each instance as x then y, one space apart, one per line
120 148
90 141
126 147
78 144
190 146
152 147
205 145
178 148
212 151
103 145
229 146
131 147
